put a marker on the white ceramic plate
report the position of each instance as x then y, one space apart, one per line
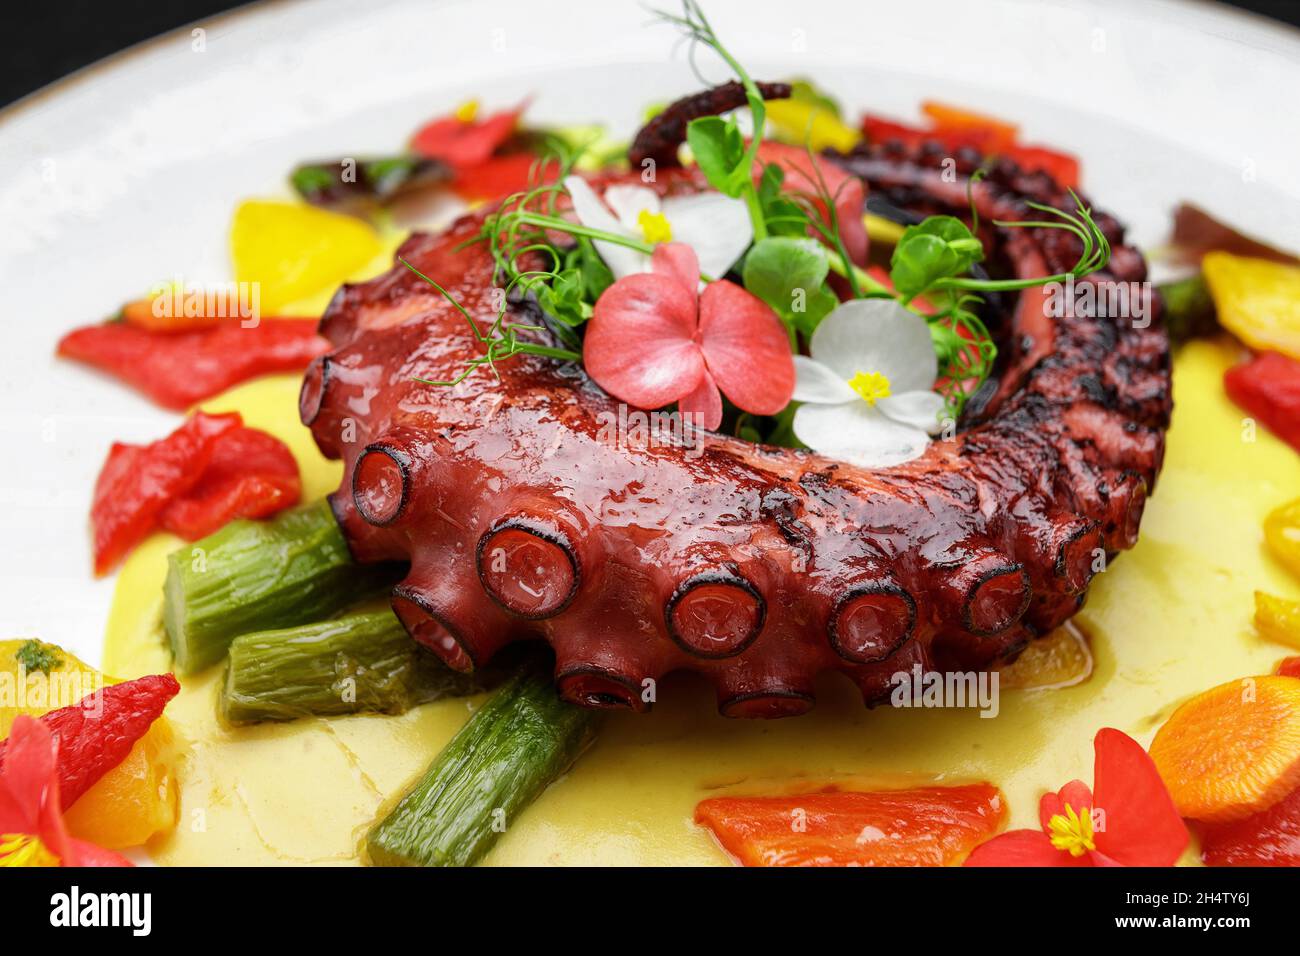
126 174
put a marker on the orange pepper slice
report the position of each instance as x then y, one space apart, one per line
928 826
993 135
1061 659
143 314
1232 751
134 801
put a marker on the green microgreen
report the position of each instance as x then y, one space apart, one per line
797 247
718 144
501 340
36 655
789 274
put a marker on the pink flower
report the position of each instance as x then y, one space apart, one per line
808 177
1129 820
654 339
32 832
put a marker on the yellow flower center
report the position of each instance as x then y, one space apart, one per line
467 112
655 227
870 385
1071 832
21 849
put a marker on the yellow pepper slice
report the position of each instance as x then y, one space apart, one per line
1277 619
1282 535
36 677
292 250
1258 301
799 121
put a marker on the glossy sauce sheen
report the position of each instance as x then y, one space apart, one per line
1169 620
729 559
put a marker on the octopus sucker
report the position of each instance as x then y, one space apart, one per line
759 567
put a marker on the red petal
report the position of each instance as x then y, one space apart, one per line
640 345
81 853
677 261
703 405
465 144
1022 848
849 203
805 175
1075 794
28 769
29 785
747 349
1141 825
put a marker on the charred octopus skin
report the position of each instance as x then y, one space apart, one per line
526 510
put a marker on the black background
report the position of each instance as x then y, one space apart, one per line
42 40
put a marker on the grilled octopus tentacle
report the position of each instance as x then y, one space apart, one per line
658 139
534 506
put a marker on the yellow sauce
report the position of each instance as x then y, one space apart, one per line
1167 620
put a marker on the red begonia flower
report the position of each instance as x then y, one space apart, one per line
1128 819
31 820
653 339
801 176
465 142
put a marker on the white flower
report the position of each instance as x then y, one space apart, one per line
868 386
717 227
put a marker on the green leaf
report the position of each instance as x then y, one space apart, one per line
783 215
938 248
821 302
563 298
596 277
310 180
789 274
719 151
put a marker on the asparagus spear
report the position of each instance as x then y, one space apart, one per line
357 662
255 575
521 740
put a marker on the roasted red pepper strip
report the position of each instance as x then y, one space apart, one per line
177 369
137 482
1268 387
251 475
1062 167
501 176
1269 838
991 140
929 826
1289 666
96 733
